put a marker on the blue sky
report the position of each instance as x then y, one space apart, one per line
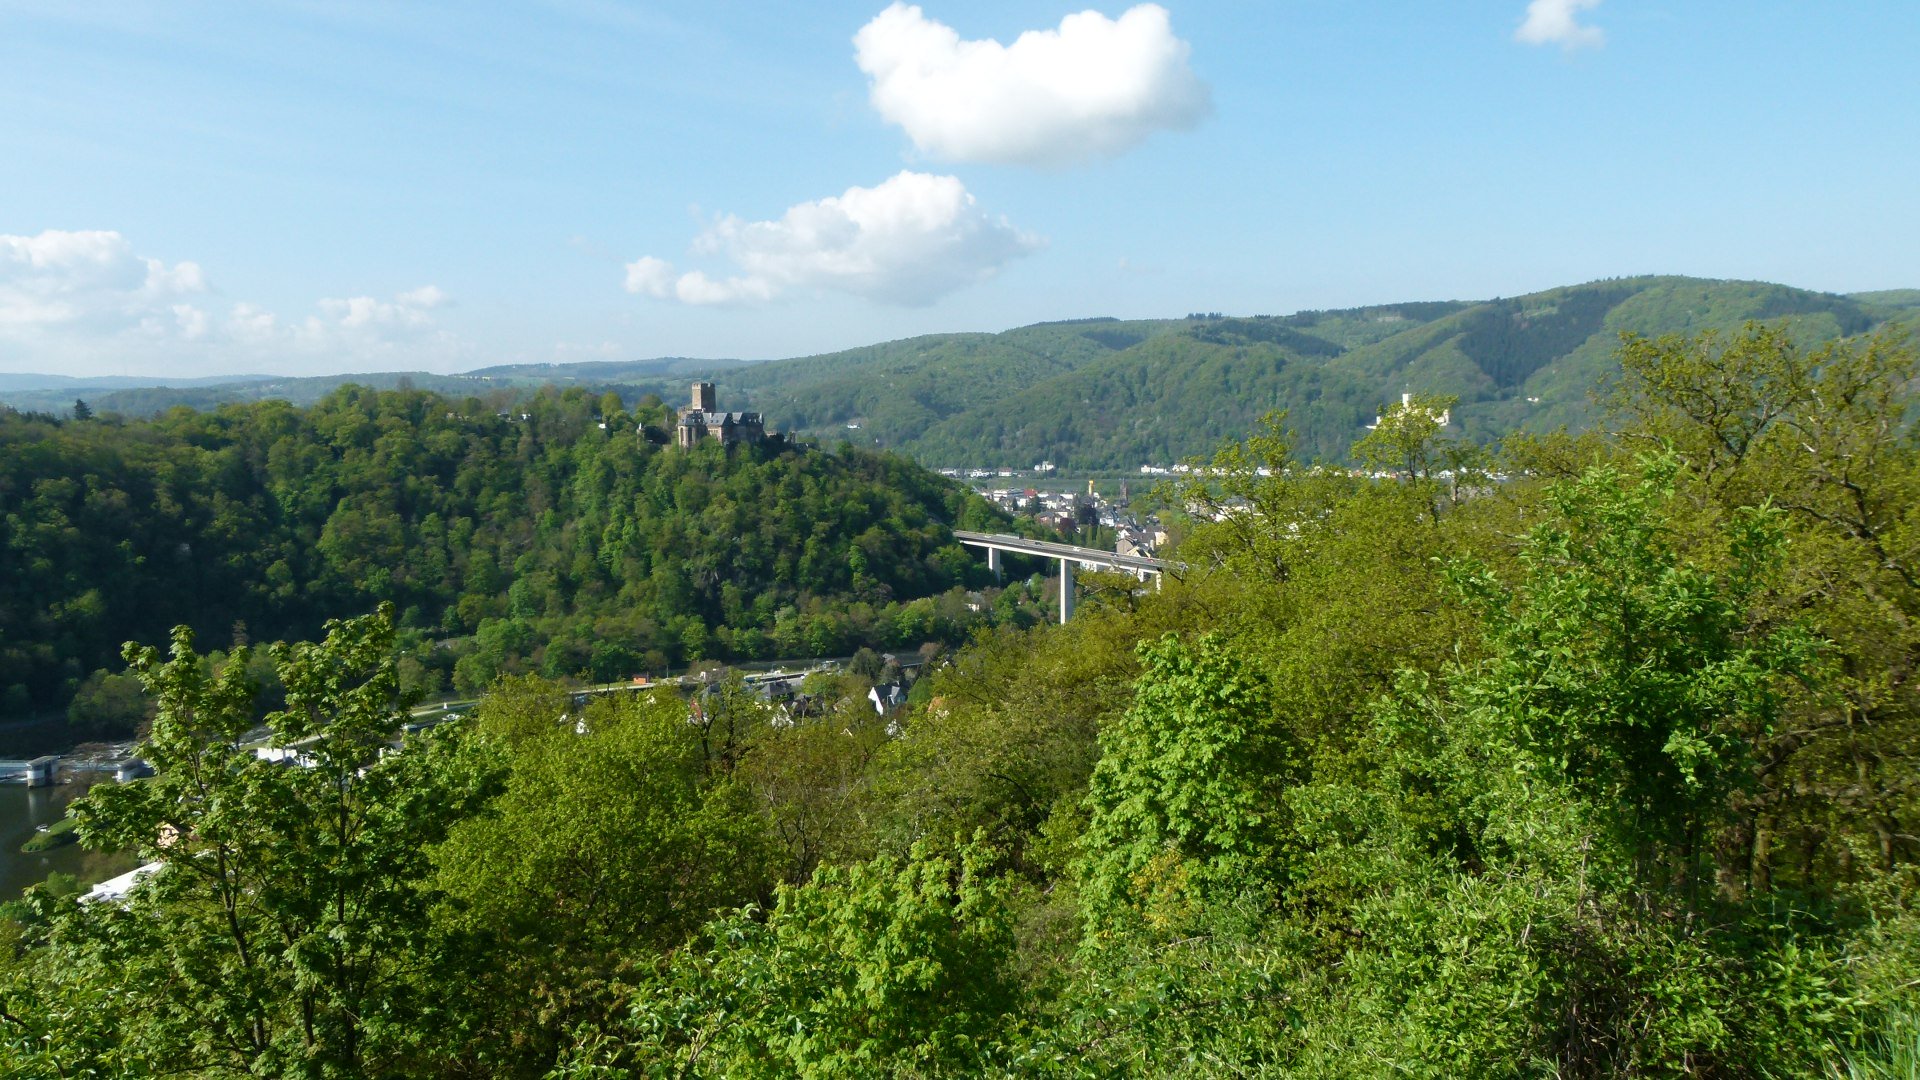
197 188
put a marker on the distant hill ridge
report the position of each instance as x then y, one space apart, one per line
1111 393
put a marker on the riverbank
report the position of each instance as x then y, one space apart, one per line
22 811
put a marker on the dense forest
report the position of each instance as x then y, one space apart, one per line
558 536
1123 394
1110 394
1605 768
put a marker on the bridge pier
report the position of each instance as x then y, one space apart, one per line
1066 555
1066 590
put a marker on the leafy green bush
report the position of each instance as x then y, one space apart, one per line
894 967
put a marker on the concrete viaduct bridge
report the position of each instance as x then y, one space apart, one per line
1067 554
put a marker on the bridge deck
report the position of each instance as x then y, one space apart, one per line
1048 549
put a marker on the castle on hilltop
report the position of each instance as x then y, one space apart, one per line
1440 419
703 421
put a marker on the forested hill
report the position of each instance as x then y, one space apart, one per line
1606 773
537 541
1110 394
135 395
1106 393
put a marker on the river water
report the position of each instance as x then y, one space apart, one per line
22 809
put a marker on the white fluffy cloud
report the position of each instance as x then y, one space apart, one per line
1557 22
88 282
1093 88
425 298
908 240
405 313
86 299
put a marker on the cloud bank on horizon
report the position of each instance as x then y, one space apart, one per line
1557 22
1093 88
908 240
89 293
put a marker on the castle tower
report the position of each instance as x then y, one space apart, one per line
703 420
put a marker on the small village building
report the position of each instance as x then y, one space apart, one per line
1135 541
890 697
118 888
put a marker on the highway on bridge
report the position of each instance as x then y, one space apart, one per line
1068 554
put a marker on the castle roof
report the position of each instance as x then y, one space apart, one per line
717 419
